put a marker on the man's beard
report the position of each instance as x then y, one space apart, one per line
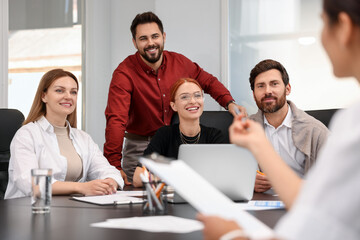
152 58
271 107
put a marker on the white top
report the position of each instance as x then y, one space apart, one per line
281 140
35 146
328 206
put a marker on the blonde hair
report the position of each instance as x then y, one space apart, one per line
38 108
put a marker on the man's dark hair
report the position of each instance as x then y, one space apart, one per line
146 17
267 65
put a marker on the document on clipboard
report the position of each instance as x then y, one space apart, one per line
206 198
121 197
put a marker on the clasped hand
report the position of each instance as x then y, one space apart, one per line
99 187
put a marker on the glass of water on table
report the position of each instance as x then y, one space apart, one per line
41 190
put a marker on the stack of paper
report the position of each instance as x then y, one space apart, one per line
153 224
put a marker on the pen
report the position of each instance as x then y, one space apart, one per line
237 111
159 189
125 202
261 173
150 193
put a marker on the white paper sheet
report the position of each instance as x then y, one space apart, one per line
153 224
121 197
206 198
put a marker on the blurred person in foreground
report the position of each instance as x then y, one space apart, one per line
325 205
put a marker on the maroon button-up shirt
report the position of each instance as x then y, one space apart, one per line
139 99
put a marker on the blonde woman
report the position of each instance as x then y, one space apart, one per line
49 139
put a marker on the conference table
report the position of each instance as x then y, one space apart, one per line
71 219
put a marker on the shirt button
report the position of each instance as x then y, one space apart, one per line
159 79
163 95
165 110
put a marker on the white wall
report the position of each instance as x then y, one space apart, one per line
97 67
4 23
274 29
192 28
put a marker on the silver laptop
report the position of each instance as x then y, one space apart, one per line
229 168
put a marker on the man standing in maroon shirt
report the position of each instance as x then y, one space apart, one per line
139 101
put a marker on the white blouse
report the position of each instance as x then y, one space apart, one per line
35 146
328 205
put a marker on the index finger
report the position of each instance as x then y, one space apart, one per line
240 123
201 217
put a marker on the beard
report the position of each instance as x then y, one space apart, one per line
150 57
273 106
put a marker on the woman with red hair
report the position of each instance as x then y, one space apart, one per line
187 99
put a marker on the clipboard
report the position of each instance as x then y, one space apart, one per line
120 198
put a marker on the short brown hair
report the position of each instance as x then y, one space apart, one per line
267 65
146 17
38 108
180 82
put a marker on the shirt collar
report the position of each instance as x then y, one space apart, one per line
286 122
47 127
145 67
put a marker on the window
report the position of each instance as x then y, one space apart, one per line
287 31
43 35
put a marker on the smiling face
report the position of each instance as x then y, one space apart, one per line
270 91
60 99
189 101
149 41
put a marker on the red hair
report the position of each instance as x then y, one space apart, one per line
180 82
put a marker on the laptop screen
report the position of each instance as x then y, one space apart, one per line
230 168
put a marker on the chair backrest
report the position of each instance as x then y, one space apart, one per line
323 116
10 122
216 119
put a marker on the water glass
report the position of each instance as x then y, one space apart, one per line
41 190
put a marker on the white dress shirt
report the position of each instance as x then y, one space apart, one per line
281 140
35 146
328 205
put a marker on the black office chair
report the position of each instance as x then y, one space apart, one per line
10 122
323 116
216 119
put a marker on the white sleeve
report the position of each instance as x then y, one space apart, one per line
329 203
23 159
